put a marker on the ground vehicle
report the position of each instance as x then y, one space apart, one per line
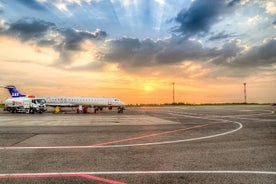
26 105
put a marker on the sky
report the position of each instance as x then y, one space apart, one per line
136 49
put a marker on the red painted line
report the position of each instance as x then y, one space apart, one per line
152 135
20 176
100 179
57 175
115 141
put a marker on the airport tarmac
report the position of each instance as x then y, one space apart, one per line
175 144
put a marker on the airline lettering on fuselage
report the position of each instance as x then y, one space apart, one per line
15 94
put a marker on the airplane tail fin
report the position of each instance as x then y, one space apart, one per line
14 92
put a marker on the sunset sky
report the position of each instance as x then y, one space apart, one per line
136 49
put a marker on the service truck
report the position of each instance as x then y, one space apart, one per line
25 105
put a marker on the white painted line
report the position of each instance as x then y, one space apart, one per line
199 116
18 175
126 145
259 119
184 172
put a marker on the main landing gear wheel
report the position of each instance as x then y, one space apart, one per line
120 109
31 111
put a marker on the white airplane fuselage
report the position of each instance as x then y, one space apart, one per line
71 101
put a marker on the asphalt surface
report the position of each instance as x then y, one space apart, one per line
196 144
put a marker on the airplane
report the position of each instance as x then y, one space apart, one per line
98 103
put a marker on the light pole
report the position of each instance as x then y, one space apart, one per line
244 91
173 91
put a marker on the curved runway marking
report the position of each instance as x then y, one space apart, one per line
176 141
104 145
153 135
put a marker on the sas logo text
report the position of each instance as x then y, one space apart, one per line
15 94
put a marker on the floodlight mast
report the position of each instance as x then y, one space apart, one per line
244 91
173 91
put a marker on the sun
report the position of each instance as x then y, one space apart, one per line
148 85
148 88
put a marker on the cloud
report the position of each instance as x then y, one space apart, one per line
229 52
73 38
178 49
271 7
132 52
29 29
3 25
170 56
202 15
235 60
72 43
68 42
258 56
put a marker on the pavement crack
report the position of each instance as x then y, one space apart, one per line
22 140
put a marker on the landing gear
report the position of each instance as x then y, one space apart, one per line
82 109
120 109
85 110
32 110
14 110
79 110
95 109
